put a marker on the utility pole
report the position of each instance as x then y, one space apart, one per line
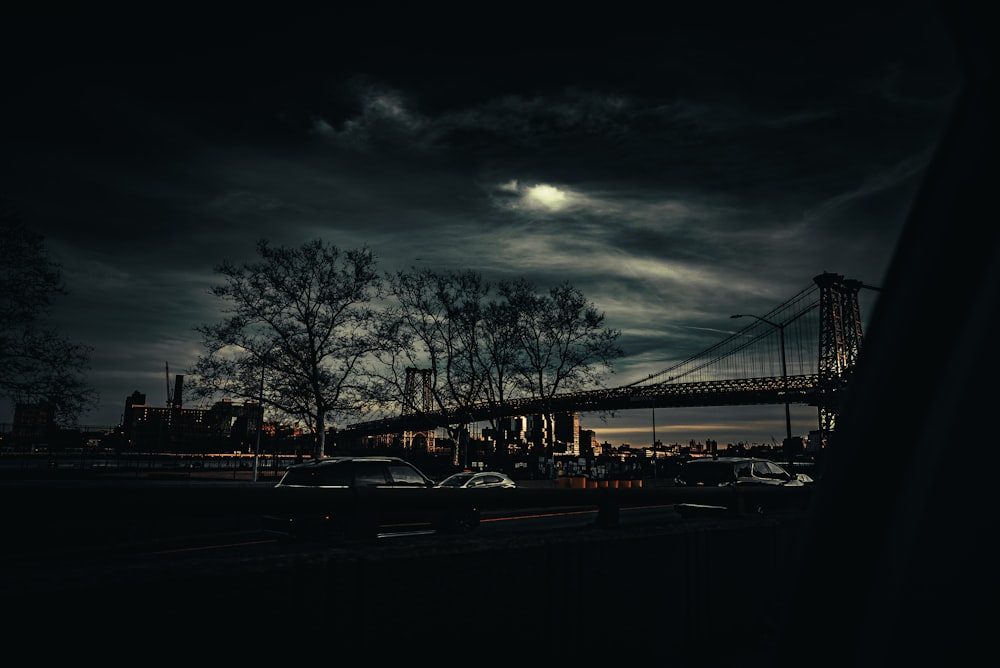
260 425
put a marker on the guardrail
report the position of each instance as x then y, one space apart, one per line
50 514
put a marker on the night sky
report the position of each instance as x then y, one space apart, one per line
676 165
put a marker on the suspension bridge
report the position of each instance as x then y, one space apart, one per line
802 352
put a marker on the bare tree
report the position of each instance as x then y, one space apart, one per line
499 358
434 321
300 328
484 346
564 344
37 365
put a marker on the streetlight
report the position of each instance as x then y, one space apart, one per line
260 425
784 368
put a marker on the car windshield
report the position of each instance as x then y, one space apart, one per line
456 480
707 473
295 476
403 474
316 476
770 470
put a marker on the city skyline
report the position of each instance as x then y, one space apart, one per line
676 172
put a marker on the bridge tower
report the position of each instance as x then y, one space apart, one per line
840 338
417 398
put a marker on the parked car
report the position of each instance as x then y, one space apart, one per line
477 480
719 471
364 497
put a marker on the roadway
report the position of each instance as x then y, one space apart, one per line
148 568
85 530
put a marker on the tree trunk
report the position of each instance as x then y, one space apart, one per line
320 434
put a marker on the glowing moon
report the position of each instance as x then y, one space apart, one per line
545 197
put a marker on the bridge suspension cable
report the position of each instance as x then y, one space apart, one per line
754 350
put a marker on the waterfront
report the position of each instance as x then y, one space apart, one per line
162 465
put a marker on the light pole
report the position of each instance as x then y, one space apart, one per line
784 368
652 401
260 424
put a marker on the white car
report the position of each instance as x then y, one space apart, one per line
717 471
477 480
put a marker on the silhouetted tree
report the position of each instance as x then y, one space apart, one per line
433 323
484 346
300 327
564 345
37 365
500 353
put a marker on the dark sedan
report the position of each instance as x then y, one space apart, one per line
364 497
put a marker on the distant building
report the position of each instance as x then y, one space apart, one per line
561 430
589 445
566 427
34 423
225 427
